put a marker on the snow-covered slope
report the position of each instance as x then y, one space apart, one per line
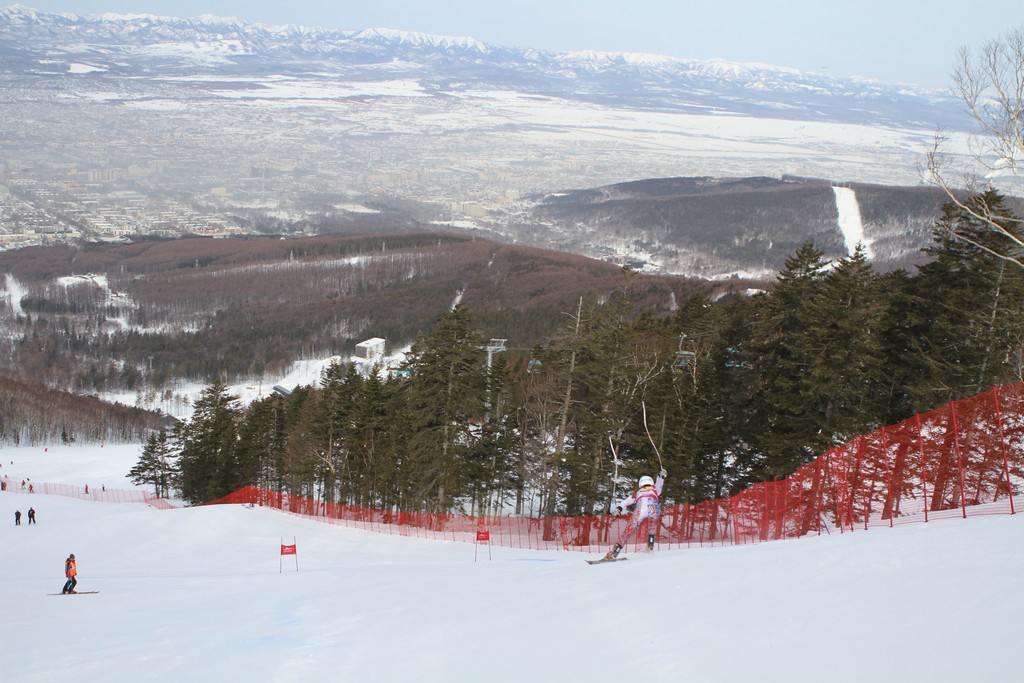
198 594
850 222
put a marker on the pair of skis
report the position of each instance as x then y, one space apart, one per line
614 559
76 593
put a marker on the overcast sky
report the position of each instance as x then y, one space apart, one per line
902 41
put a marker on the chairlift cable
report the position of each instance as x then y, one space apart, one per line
615 474
661 465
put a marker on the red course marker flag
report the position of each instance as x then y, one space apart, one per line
288 550
482 536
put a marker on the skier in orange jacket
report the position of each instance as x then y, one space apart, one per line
70 571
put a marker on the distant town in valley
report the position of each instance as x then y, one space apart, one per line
122 127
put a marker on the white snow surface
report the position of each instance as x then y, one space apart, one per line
303 372
850 222
197 594
13 292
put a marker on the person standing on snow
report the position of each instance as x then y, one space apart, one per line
70 571
648 508
17 518
31 516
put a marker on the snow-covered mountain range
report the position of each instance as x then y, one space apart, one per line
143 44
138 124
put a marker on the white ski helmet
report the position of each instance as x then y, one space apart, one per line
646 481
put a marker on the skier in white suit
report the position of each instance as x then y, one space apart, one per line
648 508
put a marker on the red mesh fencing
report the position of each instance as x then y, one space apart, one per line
966 458
101 495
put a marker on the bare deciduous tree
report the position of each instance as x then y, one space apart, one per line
990 83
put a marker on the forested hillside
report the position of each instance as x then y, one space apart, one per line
722 392
31 414
141 316
709 226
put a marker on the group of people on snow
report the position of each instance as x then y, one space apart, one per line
70 565
31 517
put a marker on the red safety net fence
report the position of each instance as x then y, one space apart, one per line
101 495
964 459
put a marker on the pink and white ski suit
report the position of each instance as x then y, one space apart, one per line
648 507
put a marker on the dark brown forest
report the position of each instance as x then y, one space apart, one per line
103 317
31 414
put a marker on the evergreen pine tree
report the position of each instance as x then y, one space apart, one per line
783 419
375 437
964 332
260 449
156 465
208 446
710 407
444 403
331 408
844 325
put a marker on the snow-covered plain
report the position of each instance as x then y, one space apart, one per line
197 594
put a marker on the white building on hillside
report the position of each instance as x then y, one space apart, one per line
371 349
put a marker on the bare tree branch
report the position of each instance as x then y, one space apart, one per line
990 83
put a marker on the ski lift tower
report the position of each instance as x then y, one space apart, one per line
495 346
685 358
